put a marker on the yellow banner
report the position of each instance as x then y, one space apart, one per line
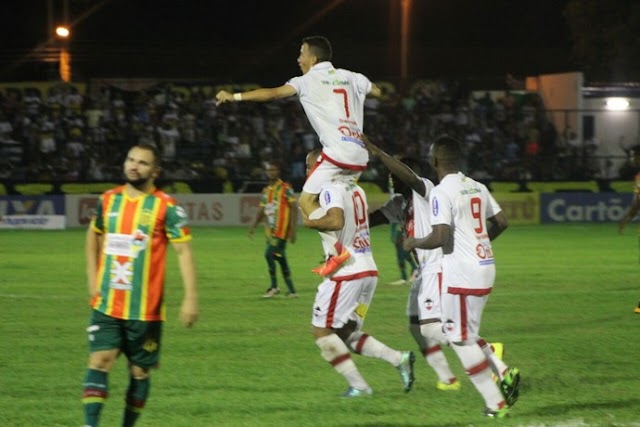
520 208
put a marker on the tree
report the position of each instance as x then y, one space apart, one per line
606 38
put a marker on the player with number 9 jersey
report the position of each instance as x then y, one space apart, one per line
465 205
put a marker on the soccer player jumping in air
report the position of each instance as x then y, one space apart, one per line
333 100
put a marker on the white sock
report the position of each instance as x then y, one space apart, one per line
477 367
368 346
498 367
328 237
434 336
336 352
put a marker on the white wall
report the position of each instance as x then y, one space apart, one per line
562 91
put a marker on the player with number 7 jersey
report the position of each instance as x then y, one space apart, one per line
333 100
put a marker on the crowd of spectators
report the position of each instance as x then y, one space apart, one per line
65 135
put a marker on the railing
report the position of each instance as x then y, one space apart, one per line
377 187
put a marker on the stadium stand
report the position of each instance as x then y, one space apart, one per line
74 134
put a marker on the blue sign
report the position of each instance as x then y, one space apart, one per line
31 205
583 207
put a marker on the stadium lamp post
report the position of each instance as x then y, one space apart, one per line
405 14
62 34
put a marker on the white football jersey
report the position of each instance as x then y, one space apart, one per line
415 214
418 224
465 205
333 100
355 235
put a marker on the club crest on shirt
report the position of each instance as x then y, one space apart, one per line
145 217
138 242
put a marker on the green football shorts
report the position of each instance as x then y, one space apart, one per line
137 339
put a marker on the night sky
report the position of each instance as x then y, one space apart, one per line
259 40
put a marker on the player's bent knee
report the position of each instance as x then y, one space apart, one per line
103 360
330 347
138 372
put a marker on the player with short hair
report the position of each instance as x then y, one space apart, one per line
278 208
411 207
465 218
424 304
126 245
342 300
333 100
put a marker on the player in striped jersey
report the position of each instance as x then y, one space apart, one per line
126 247
278 207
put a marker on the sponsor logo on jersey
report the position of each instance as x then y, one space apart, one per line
327 197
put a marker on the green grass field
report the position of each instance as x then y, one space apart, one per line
563 305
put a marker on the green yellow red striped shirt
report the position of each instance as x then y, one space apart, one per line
131 269
276 201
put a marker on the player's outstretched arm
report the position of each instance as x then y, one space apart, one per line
375 91
396 167
256 95
377 218
189 308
